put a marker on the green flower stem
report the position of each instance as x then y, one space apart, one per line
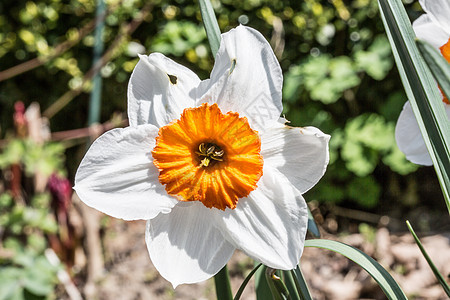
277 287
300 283
291 284
223 287
245 282
96 94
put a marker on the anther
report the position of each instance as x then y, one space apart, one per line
209 152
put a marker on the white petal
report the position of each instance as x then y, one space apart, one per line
185 246
409 139
439 11
117 175
152 97
428 31
269 225
246 78
301 154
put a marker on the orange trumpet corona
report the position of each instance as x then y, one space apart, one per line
208 156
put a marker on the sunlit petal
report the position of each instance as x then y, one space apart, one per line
117 175
438 10
301 154
246 78
409 139
159 90
269 225
185 246
428 31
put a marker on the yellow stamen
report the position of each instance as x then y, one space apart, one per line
208 156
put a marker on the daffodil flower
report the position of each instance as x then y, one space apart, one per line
434 28
210 164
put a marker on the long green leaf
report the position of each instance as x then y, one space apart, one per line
302 286
439 67
421 90
223 287
211 25
381 276
245 282
436 272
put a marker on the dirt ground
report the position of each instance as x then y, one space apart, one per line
128 273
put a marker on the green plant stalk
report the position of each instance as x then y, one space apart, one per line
301 285
288 278
96 94
276 285
223 287
211 25
389 286
436 272
245 282
262 288
421 90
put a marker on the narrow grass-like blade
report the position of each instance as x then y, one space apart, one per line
389 286
223 287
421 90
302 286
211 25
436 272
245 282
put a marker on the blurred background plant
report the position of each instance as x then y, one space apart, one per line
338 76
34 206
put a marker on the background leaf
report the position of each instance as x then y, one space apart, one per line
381 276
211 25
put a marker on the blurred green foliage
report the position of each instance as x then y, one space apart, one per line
25 222
337 64
35 158
26 273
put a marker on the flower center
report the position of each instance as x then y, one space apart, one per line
209 153
445 50
208 156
